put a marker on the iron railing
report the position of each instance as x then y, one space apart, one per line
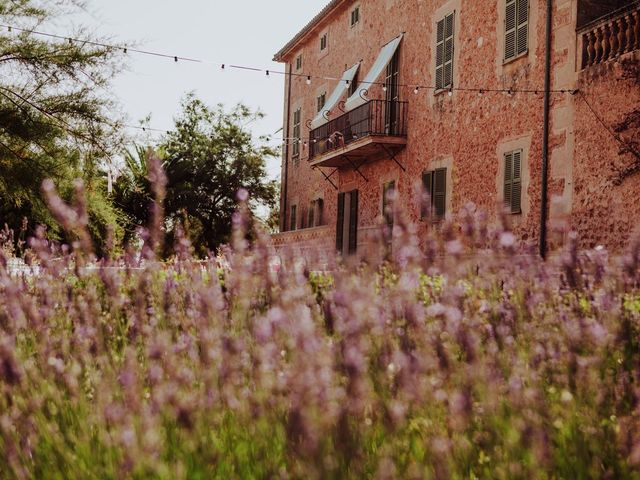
376 117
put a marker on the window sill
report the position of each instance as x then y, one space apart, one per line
516 58
442 91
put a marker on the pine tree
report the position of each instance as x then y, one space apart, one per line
54 115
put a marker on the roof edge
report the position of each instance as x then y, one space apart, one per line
308 28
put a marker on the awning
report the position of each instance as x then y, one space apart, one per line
385 56
332 101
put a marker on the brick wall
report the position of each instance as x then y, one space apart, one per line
467 131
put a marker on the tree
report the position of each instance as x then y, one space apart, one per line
54 120
209 157
132 191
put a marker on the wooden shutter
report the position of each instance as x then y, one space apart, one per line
297 119
294 211
523 26
510 42
439 192
516 183
320 212
449 26
353 222
508 180
427 200
440 55
312 214
340 223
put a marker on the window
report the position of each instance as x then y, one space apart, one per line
513 181
297 117
387 202
434 183
323 42
322 100
299 62
392 94
516 40
353 86
316 213
347 224
294 216
444 52
355 16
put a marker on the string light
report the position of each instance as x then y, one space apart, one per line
416 90
176 58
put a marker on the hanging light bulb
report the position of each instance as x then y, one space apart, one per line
267 73
384 88
309 80
346 84
416 90
450 91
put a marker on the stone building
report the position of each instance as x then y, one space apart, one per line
450 94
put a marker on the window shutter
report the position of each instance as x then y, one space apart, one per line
340 222
312 214
320 212
439 192
508 179
353 222
440 55
427 200
516 183
510 43
523 26
449 25
294 211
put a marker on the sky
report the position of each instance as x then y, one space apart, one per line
244 32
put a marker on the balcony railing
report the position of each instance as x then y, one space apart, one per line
374 118
611 36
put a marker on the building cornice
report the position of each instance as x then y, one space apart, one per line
308 29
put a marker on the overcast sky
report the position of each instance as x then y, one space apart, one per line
245 32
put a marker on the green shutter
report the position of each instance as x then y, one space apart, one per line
516 185
510 42
427 202
294 211
439 193
340 223
523 26
320 212
353 222
508 179
448 50
440 55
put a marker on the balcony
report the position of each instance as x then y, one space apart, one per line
610 36
374 129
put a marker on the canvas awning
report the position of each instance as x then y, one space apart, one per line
385 56
332 101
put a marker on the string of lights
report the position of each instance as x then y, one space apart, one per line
309 77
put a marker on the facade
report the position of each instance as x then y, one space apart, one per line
448 95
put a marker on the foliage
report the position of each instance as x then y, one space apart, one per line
458 359
54 121
210 156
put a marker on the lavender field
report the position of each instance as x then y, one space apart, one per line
455 359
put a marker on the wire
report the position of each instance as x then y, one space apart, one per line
268 72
